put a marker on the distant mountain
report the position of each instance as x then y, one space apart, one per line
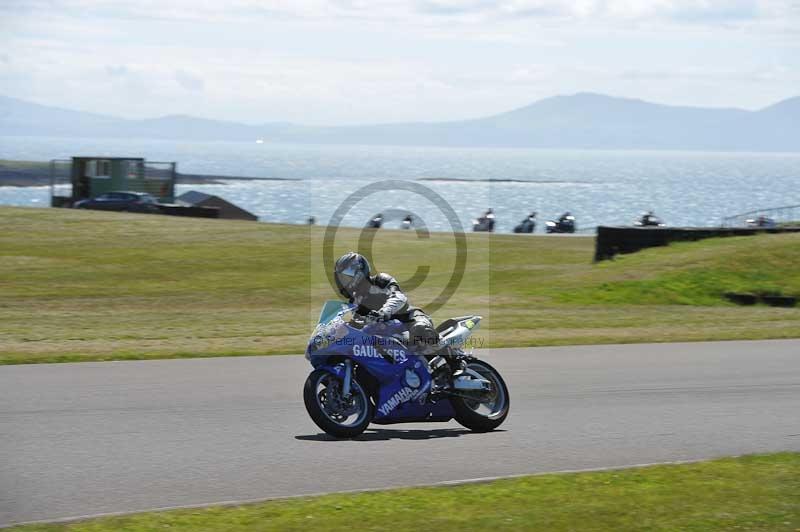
18 117
584 120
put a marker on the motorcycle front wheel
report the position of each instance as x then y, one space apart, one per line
483 411
337 415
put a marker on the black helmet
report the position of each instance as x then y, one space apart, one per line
350 270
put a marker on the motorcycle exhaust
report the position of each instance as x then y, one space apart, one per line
465 382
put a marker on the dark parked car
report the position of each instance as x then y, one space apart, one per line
120 201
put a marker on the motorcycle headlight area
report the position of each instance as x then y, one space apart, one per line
327 333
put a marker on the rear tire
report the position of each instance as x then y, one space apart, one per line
312 397
466 412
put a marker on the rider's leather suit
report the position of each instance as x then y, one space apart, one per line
382 295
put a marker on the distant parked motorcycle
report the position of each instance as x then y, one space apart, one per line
565 224
528 225
363 373
485 223
762 221
649 219
376 222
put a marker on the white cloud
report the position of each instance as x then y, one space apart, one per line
189 81
759 75
116 70
345 61
388 10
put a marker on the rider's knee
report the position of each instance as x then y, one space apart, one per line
424 337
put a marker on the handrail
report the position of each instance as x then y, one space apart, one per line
786 212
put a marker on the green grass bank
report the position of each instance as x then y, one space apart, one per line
84 285
759 492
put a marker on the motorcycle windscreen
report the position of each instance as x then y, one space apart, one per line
330 309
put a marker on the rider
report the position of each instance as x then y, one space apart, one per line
488 219
379 297
529 223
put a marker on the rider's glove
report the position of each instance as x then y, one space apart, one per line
377 315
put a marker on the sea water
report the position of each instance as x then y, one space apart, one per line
451 185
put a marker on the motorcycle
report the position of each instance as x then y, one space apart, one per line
528 225
762 221
649 220
564 225
364 373
485 223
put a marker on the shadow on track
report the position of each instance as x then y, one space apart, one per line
393 434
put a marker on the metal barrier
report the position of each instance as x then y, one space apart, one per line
158 179
60 182
789 216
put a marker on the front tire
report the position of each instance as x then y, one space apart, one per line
338 416
487 411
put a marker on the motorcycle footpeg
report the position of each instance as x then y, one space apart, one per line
437 363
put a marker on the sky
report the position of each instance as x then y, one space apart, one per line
365 61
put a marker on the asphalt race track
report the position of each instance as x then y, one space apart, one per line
80 439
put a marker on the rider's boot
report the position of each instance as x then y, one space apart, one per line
444 364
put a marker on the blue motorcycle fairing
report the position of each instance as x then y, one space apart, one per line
403 378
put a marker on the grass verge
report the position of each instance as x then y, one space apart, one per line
82 285
760 492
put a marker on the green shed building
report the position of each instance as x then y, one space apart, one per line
88 177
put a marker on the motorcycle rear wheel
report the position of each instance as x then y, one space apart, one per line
484 413
329 417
